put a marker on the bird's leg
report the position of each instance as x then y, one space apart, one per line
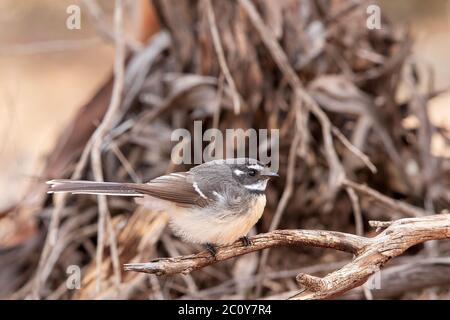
246 241
211 249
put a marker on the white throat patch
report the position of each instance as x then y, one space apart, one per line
258 186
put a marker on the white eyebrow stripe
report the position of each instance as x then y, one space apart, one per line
259 186
255 166
195 185
238 172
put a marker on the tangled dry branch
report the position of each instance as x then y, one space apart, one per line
370 253
327 84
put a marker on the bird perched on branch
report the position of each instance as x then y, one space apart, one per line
214 203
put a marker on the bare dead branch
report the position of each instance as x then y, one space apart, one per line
407 277
185 264
416 273
392 242
371 253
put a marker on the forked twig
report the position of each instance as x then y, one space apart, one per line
371 253
392 242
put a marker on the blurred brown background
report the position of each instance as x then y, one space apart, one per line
43 82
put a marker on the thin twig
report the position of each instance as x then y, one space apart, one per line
98 136
173 251
287 193
353 149
114 253
125 163
218 106
356 211
399 206
418 105
52 234
98 18
357 214
221 56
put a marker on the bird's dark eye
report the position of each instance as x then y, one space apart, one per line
252 173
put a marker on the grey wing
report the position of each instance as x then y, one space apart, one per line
178 187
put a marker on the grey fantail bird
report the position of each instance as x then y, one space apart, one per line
214 203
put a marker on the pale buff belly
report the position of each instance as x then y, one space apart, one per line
207 227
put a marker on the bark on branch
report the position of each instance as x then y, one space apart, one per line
186 264
370 253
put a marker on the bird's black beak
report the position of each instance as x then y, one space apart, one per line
269 174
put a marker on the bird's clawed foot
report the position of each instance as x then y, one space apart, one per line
211 249
246 241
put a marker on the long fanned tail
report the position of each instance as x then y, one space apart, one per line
92 187
177 187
